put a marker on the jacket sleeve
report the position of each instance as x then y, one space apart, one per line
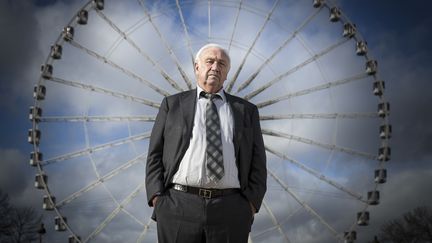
257 181
154 168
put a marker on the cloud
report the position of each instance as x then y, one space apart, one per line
16 173
404 191
18 53
408 94
403 58
34 29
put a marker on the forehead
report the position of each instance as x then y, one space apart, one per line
214 53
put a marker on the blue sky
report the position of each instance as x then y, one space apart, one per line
398 37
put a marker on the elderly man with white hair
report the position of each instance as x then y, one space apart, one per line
206 164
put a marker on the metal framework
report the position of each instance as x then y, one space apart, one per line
192 37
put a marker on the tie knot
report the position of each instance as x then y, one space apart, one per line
210 96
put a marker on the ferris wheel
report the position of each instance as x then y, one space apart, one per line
322 108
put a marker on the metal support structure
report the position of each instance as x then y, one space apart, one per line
70 37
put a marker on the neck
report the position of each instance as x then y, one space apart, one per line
210 91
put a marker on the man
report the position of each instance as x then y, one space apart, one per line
206 165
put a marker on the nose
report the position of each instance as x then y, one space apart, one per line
215 66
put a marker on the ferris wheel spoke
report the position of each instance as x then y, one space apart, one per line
115 212
133 217
312 90
316 174
127 32
97 89
304 204
263 232
101 179
88 151
235 24
330 147
185 30
171 81
295 69
208 19
237 73
359 115
167 46
278 50
120 38
97 118
145 231
275 222
118 67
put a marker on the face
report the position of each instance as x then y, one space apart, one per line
211 69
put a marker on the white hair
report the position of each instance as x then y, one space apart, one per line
210 45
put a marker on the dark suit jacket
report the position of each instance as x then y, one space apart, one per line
172 132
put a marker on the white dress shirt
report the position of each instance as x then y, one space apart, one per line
192 169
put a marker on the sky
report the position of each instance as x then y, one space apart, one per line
397 34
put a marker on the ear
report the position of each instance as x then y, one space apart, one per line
196 66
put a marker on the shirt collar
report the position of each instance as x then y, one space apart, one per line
221 93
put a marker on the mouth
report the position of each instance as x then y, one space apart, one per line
212 76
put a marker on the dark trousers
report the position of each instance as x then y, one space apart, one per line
188 218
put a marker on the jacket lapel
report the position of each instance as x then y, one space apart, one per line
238 113
188 100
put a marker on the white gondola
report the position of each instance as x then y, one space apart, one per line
335 14
82 17
350 237
371 67
41 230
361 48
40 181
318 3
35 114
378 87
34 136
385 131
72 239
68 33
99 4
363 218
47 205
39 92
47 71
35 158
380 176
384 153
56 51
60 223
373 197
349 30
383 109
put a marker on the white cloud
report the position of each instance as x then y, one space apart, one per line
68 176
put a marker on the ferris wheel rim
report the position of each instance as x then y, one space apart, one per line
50 60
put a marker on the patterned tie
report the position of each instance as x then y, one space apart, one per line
214 155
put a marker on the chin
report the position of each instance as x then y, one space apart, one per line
211 89
212 80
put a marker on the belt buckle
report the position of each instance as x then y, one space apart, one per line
207 194
180 188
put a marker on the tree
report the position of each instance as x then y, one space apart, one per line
5 223
375 240
17 224
412 227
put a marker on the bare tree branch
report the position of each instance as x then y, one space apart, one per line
17 224
412 227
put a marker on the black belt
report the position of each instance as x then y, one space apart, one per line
204 192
